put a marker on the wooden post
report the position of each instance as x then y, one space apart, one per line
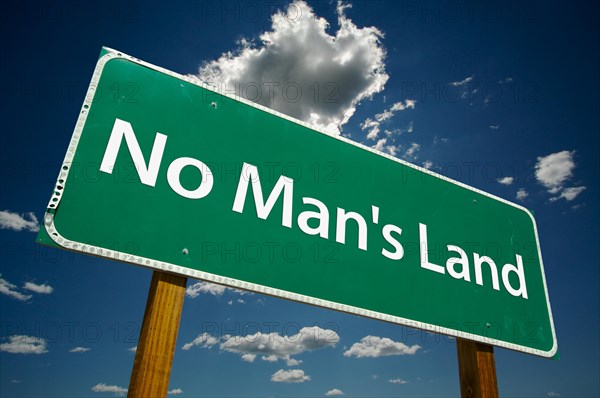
476 369
156 346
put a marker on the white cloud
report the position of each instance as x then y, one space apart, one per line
462 82
199 288
21 344
271 347
17 222
397 381
9 289
101 387
554 170
175 391
196 289
299 69
204 340
41 289
290 376
553 394
380 146
506 180
428 164
411 152
569 193
508 79
494 126
391 111
374 347
392 150
522 194
79 349
248 357
334 393
372 126
292 362
132 349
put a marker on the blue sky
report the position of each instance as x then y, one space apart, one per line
502 96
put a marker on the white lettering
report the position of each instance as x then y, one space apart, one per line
285 184
387 235
340 229
522 290
479 260
174 172
322 215
462 260
424 251
148 173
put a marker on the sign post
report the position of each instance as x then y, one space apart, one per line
156 345
476 369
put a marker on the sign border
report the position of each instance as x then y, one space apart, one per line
109 54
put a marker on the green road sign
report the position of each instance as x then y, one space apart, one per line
164 172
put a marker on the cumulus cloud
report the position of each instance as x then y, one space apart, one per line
554 170
334 393
21 344
270 347
506 180
374 347
17 222
397 381
273 347
204 340
569 193
428 164
79 349
101 387
175 391
522 194
40 289
301 70
290 376
10 290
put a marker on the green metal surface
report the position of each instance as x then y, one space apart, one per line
117 212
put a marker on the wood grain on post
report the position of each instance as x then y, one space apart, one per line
477 369
156 346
